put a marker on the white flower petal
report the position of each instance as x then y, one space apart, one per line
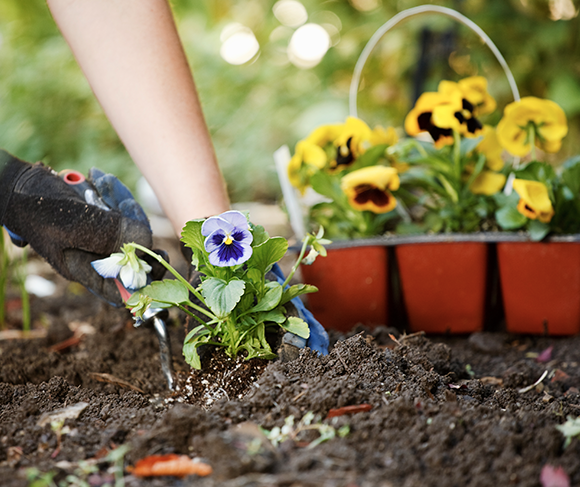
236 218
109 266
128 277
215 223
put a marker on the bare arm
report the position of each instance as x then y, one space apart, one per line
131 54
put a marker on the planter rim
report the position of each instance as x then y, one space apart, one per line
483 237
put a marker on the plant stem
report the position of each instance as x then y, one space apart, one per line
305 243
201 310
457 156
168 266
532 140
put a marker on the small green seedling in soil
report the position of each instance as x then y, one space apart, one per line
290 431
569 429
15 269
36 478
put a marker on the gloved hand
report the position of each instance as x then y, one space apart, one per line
71 229
318 339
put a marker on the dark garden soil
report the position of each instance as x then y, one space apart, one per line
442 411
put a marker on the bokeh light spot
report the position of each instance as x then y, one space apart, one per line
239 44
308 45
290 13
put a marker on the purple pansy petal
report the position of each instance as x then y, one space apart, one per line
243 236
236 218
108 267
214 240
215 223
230 255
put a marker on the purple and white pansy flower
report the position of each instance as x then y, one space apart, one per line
228 239
126 265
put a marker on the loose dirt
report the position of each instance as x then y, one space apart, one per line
443 411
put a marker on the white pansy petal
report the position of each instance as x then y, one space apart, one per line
109 266
145 266
139 280
236 218
128 277
215 223
247 253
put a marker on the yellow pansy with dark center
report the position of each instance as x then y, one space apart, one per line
350 143
434 113
469 125
544 117
370 188
474 90
534 200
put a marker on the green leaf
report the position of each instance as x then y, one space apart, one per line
538 230
297 290
161 292
297 326
275 316
191 235
571 175
370 157
509 218
467 145
328 186
260 235
220 296
271 299
268 253
190 354
449 188
254 275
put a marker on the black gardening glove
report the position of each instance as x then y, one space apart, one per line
68 226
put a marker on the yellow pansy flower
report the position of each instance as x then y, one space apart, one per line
380 135
548 120
351 142
370 188
534 200
434 112
307 159
469 125
487 183
325 134
491 148
474 90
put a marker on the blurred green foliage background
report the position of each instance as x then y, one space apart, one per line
48 112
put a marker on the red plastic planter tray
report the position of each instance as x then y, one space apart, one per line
352 285
540 285
444 285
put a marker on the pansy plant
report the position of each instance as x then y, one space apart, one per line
455 163
235 302
543 199
348 167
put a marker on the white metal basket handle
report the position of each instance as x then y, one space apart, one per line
412 12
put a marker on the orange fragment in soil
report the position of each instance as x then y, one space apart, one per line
360 408
559 375
172 464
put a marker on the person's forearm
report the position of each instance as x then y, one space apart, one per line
131 54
